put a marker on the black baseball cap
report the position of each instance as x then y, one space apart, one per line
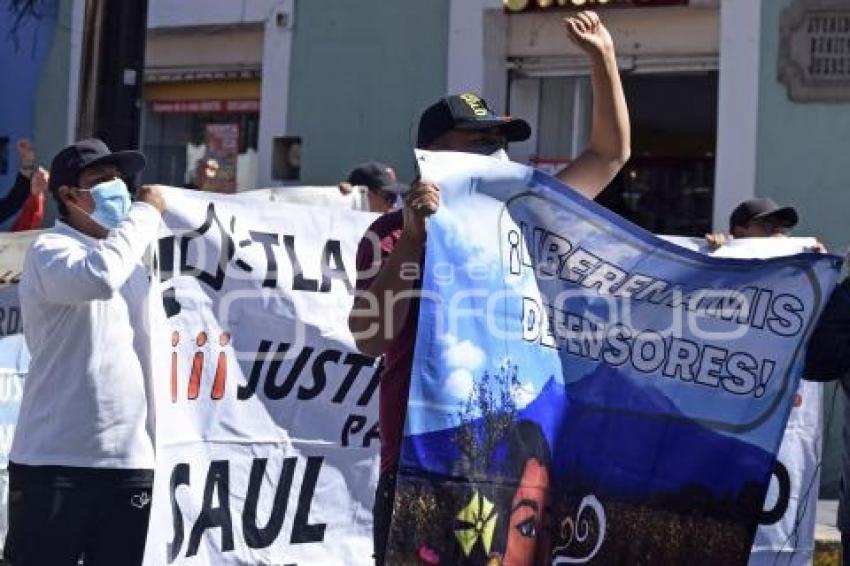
466 112
70 162
760 209
376 176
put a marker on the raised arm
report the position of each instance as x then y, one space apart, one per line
32 212
610 134
20 191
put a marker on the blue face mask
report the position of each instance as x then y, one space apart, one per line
111 203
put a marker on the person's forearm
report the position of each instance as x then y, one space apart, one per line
610 134
379 313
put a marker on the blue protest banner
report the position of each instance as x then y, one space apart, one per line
584 391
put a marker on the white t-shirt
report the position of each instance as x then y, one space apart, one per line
88 398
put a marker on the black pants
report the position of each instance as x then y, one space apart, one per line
382 514
58 514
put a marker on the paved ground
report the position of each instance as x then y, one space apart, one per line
827 537
825 530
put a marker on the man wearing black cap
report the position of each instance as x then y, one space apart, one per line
383 318
759 218
81 463
382 188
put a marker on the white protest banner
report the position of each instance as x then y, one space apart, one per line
786 534
327 196
14 356
14 362
266 415
786 531
10 311
13 248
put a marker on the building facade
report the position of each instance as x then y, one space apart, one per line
312 88
322 86
202 97
203 93
301 91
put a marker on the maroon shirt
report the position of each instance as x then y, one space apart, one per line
398 359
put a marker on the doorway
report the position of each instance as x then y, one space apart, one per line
667 186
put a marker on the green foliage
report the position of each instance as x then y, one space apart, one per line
492 401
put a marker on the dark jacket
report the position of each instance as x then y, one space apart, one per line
14 200
828 354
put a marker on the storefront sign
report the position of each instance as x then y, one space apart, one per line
192 106
176 76
814 52
536 5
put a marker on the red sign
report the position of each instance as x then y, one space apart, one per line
197 106
549 166
515 6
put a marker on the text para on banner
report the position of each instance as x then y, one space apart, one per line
266 414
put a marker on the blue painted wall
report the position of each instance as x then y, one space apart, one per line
23 52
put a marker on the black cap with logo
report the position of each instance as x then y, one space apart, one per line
70 162
377 176
466 112
762 209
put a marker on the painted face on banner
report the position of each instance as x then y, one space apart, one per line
526 541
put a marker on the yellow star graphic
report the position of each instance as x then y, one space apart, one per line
479 520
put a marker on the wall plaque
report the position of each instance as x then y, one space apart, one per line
814 50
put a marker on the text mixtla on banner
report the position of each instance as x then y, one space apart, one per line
266 414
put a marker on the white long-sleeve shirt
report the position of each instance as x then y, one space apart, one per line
88 398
